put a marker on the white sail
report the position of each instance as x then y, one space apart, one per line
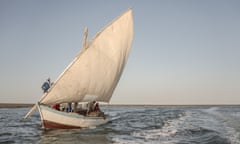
96 71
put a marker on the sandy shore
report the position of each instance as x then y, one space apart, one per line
14 105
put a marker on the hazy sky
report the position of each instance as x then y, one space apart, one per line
184 52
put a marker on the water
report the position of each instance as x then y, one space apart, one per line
133 124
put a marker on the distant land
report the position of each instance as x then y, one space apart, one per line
21 105
14 105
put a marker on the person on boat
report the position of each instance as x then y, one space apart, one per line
69 107
46 85
56 106
75 106
96 107
90 107
62 109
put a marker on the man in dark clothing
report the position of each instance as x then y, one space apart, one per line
46 85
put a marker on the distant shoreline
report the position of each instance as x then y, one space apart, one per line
169 105
14 105
21 105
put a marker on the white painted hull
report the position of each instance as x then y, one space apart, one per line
51 118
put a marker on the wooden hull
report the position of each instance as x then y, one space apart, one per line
53 119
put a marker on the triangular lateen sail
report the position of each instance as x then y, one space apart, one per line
97 69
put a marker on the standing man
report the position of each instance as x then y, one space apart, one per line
46 85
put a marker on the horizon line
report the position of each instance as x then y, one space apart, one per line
21 105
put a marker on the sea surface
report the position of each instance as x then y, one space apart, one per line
131 125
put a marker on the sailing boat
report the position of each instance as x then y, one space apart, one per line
91 76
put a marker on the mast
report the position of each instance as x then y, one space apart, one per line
84 42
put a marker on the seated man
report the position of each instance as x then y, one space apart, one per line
90 107
56 107
96 107
69 107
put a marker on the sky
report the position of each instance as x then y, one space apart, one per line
183 52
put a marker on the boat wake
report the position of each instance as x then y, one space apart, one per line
229 122
179 126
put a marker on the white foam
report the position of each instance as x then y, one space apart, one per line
124 141
233 135
211 118
235 115
213 111
228 124
92 127
166 134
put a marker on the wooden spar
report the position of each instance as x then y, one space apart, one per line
84 42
